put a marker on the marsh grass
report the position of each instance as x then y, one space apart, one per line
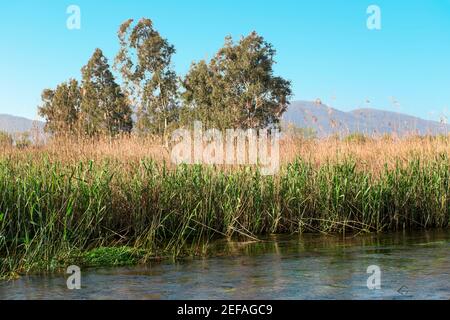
57 209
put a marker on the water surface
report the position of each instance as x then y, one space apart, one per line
413 266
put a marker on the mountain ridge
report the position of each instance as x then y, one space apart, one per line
325 120
321 118
16 124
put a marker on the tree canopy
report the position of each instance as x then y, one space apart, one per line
104 108
144 61
98 106
61 108
237 88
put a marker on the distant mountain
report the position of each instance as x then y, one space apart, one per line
319 117
13 124
325 120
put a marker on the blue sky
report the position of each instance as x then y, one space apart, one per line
323 46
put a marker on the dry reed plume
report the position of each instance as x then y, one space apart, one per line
370 154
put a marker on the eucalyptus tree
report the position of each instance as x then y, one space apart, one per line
104 107
61 108
201 97
144 62
238 86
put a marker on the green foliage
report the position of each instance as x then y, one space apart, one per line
144 61
104 108
98 106
237 87
61 107
110 256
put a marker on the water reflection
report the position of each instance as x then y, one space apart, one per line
414 266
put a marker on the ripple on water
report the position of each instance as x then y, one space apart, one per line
414 266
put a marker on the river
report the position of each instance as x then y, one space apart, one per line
411 265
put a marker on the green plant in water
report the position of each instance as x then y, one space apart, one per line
111 256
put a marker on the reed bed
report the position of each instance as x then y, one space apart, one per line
63 203
371 153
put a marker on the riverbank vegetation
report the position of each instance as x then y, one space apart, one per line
101 188
68 203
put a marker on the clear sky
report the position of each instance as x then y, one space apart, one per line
323 46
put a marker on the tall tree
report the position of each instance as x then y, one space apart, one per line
201 97
144 61
239 85
61 108
104 107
